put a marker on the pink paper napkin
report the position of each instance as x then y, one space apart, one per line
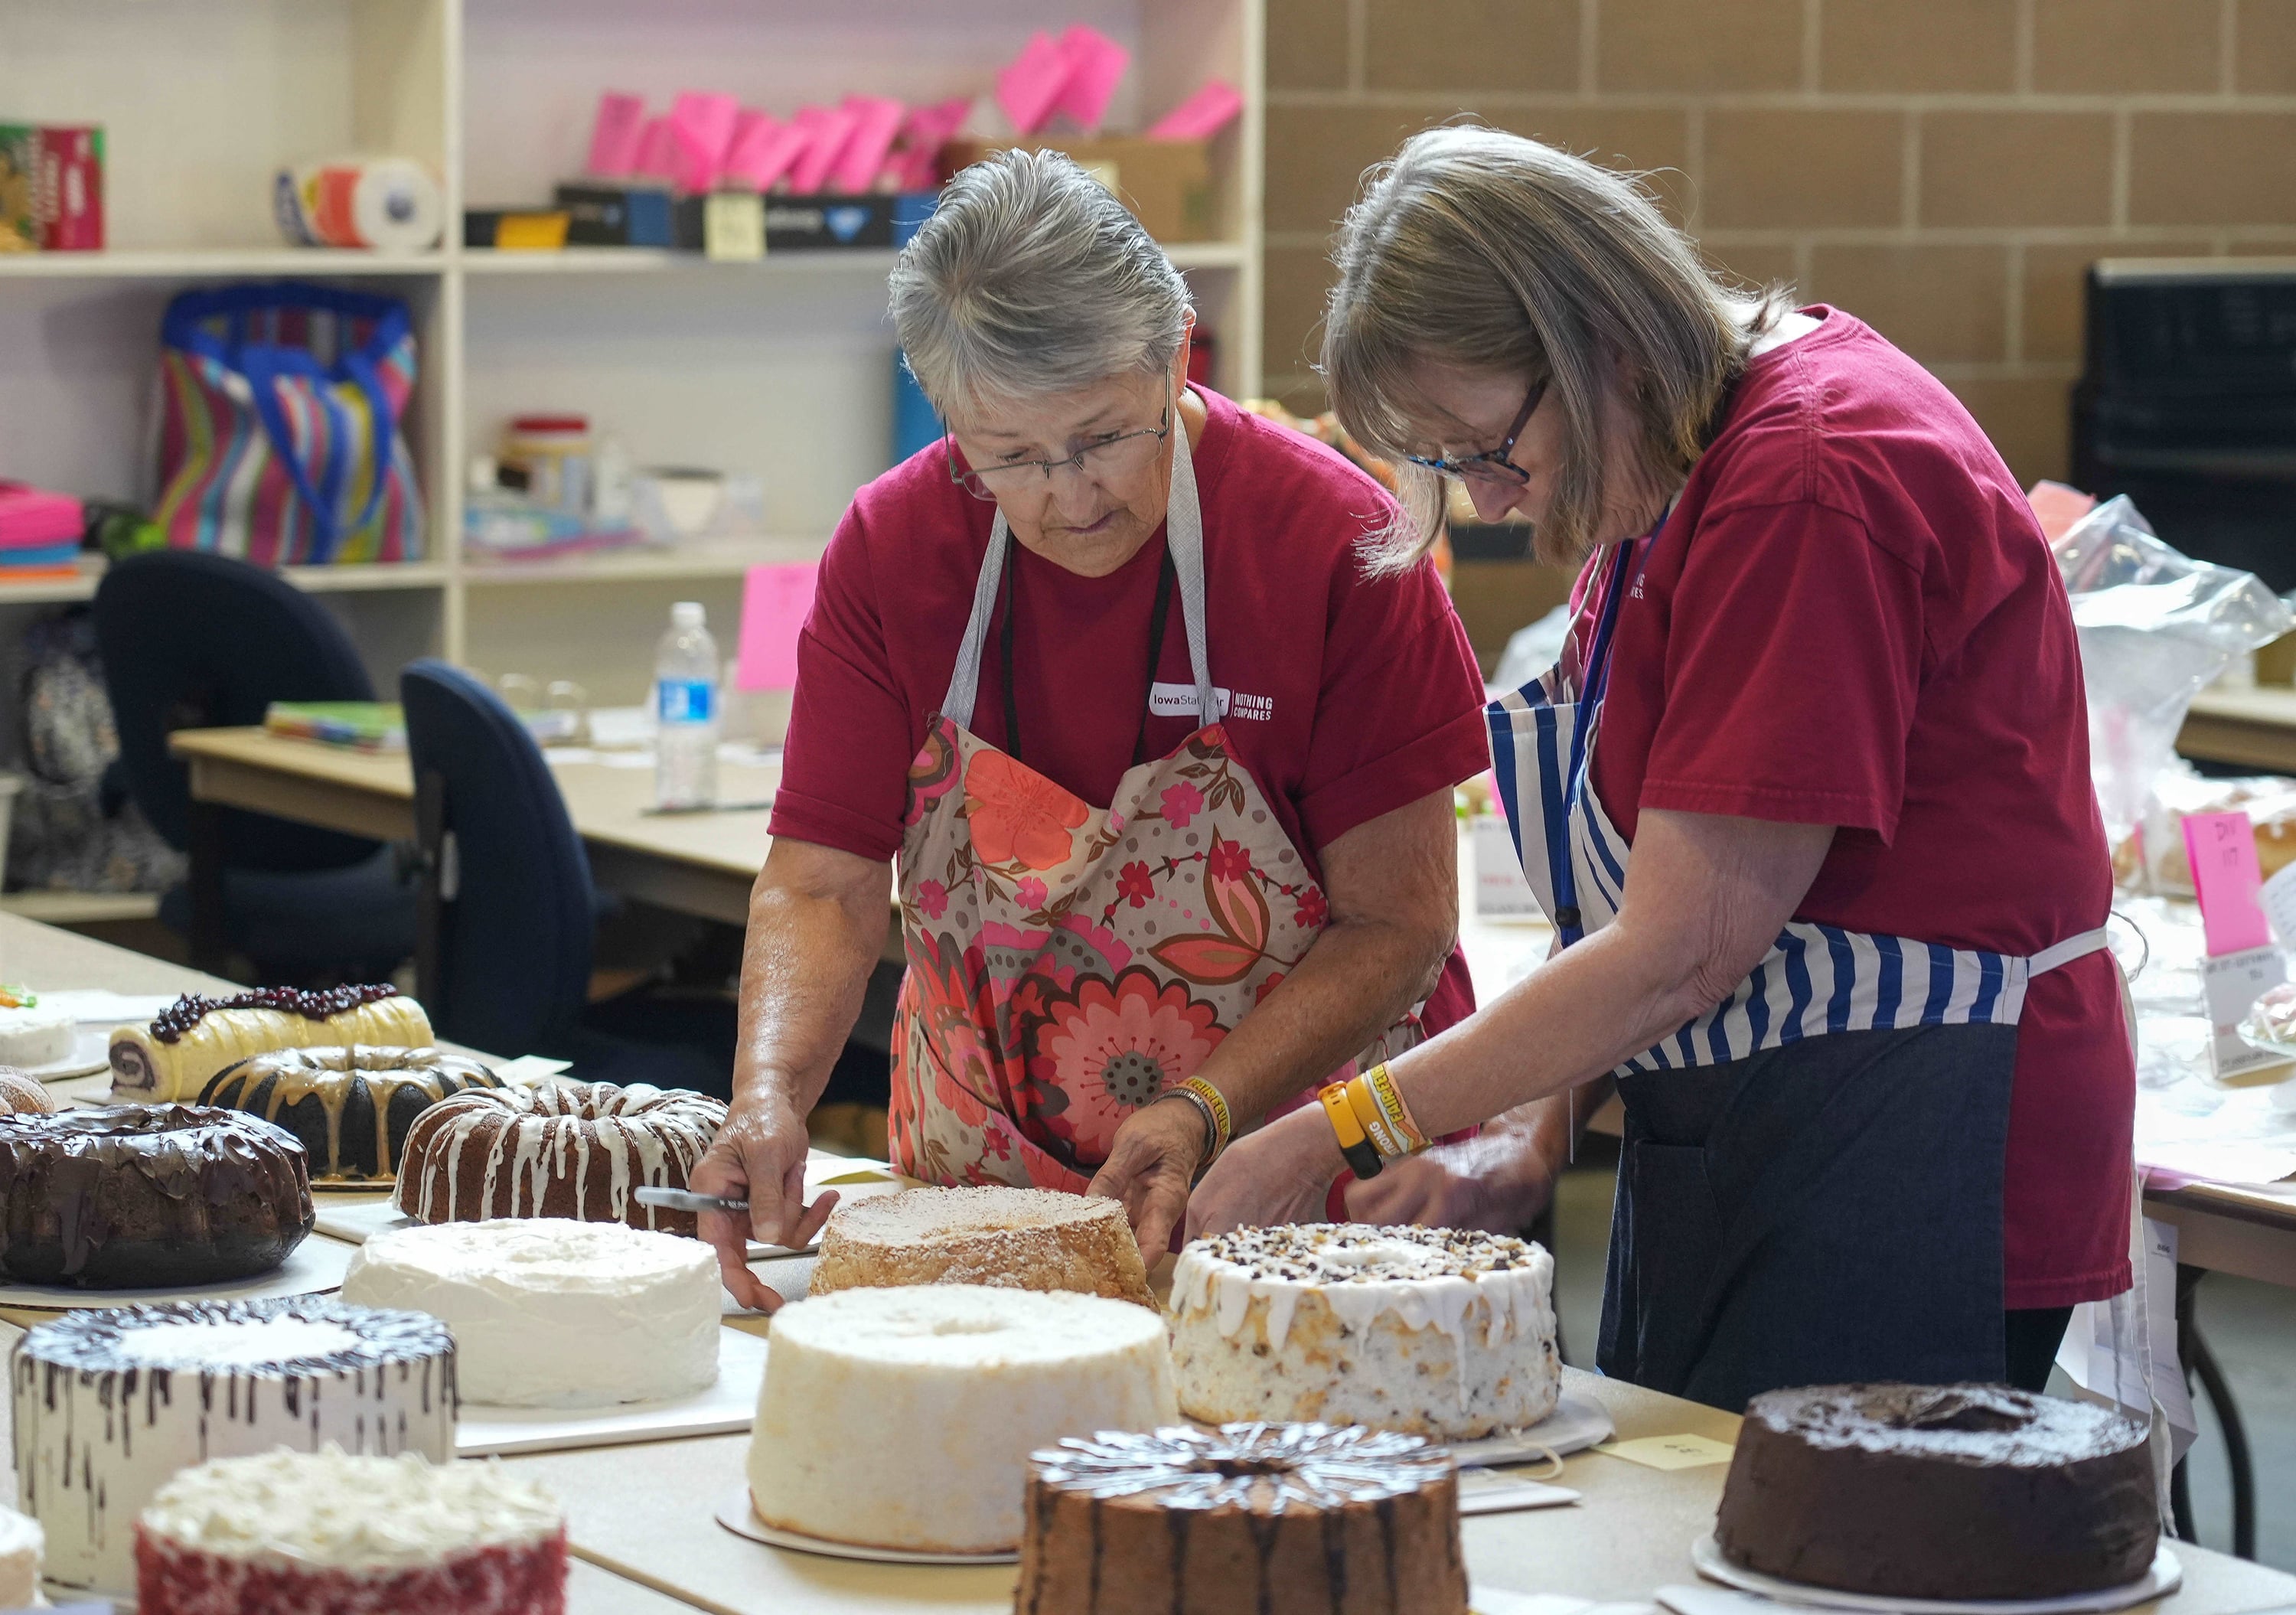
1097 63
654 149
614 135
776 600
701 128
917 160
819 161
1031 86
876 119
747 153
1202 115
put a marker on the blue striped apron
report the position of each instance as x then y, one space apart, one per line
1810 1179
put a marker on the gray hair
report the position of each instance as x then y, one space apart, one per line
1031 278
1496 254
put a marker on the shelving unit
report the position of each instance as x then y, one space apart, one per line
780 369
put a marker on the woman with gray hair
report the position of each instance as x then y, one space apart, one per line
1167 767
1808 800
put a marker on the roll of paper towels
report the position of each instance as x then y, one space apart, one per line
384 204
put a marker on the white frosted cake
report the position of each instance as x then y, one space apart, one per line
548 1312
29 1035
1440 1331
329 1534
20 1540
110 1402
904 1418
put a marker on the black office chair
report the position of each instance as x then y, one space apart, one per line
196 641
508 906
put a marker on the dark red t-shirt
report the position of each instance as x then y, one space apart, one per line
1349 696
1851 618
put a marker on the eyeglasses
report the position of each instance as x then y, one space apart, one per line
1492 466
1117 456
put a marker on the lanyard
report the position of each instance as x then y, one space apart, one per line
1595 680
1156 621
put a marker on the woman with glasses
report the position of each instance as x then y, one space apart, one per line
1808 800
1167 770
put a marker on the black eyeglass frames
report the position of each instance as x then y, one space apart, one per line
1493 464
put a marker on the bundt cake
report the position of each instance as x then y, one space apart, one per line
351 1107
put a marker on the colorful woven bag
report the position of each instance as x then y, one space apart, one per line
280 414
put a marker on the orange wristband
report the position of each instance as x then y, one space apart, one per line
1361 1156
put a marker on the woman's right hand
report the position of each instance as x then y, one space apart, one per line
758 1154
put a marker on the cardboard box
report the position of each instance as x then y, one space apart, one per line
51 188
1168 184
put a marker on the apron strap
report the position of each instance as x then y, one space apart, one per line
1184 542
2063 953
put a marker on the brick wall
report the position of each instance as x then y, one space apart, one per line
1942 169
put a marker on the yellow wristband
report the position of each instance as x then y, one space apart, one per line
1377 1128
1362 1157
1215 1102
1381 1081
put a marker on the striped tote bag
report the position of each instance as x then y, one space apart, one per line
280 439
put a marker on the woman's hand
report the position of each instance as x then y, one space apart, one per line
1499 1182
1150 1162
1281 1174
758 1154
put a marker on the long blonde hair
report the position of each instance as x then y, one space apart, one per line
1483 250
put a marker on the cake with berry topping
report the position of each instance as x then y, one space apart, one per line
195 1037
1254 1519
1440 1331
325 1533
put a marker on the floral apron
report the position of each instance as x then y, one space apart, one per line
1067 963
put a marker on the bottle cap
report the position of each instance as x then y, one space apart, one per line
688 614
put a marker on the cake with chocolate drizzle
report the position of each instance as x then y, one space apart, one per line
1959 1492
1272 1519
1442 1332
134 1195
110 1402
195 1038
352 1107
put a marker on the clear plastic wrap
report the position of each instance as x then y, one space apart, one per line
2156 628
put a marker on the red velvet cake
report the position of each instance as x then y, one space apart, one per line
326 1534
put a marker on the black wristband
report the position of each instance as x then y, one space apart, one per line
1363 1160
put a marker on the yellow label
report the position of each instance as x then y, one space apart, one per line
734 227
1670 1451
530 232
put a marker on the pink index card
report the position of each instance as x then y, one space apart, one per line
1096 64
876 119
787 144
746 154
700 126
776 600
1031 86
654 149
614 135
917 160
1202 115
831 135
2225 878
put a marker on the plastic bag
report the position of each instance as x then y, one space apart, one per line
2156 628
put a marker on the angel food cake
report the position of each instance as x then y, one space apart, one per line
32 1034
1442 1332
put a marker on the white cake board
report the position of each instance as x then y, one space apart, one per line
2164 1577
314 1268
1577 1422
725 1408
736 1515
91 1051
357 1221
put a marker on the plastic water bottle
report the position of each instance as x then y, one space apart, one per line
686 711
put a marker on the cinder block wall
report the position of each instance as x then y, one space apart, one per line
1942 169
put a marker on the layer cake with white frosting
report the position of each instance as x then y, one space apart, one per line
1440 1331
111 1403
548 1312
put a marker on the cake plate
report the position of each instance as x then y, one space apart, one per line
2164 1577
358 1220
314 1268
736 1515
727 1407
91 1051
1577 1422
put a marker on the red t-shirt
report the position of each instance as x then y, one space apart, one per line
1349 696
1851 618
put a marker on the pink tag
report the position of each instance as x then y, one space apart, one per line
1097 63
831 135
876 119
917 162
615 134
1028 89
776 600
701 128
654 149
2222 850
780 152
1202 115
747 151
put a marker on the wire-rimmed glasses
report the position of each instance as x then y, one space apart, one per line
1109 458
1492 466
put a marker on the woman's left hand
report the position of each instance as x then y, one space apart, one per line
1281 1174
1150 1162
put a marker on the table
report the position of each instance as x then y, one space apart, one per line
640 1517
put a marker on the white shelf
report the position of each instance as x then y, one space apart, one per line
656 260
716 558
350 579
80 907
203 262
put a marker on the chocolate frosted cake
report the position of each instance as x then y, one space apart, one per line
1957 1492
350 1107
1252 1520
148 1194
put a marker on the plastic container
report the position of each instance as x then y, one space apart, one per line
686 711
553 452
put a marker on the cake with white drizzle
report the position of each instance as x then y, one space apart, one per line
328 1533
1442 1332
552 1313
110 1402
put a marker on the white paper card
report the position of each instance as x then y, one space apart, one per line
2232 983
2279 898
2103 1352
1499 886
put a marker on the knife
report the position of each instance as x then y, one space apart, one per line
686 1200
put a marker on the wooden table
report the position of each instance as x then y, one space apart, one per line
2254 728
